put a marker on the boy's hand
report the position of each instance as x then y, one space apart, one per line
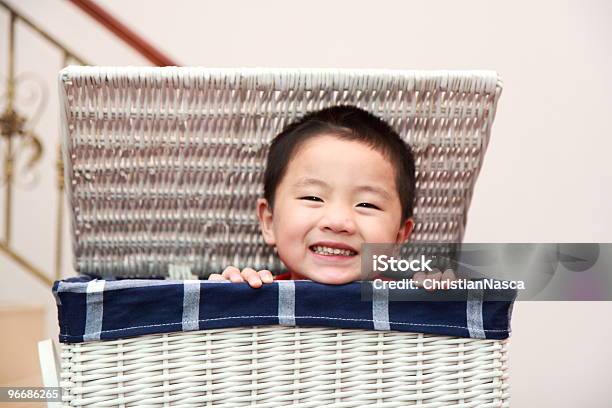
444 278
254 278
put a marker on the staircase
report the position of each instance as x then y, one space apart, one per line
38 39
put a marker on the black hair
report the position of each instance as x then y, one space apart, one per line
349 123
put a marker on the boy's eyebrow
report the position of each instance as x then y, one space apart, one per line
309 181
376 190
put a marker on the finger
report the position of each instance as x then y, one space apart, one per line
418 278
433 277
229 270
233 274
251 276
216 277
266 276
448 276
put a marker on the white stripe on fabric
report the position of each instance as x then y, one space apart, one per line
474 314
94 310
191 304
380 308
81 287
286 302
56 293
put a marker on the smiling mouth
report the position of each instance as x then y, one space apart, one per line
329 251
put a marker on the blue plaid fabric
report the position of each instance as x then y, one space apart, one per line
91 309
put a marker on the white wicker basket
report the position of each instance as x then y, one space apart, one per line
271 366
108 113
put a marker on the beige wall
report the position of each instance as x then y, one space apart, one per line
547 174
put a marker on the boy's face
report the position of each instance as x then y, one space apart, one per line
335 195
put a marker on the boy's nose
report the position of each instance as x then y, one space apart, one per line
338 222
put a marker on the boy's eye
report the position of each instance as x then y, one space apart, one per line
311 198
368 205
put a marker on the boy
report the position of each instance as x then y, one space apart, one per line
335 179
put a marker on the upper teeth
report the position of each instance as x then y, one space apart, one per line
332 251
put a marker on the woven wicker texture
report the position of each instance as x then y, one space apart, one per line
287 366
164 165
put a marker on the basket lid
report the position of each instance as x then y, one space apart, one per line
164 165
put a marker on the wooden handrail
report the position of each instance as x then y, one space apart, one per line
124 33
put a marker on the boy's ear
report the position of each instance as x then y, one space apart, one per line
264 213
405 230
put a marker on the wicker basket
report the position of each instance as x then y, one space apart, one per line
273 366
128 131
